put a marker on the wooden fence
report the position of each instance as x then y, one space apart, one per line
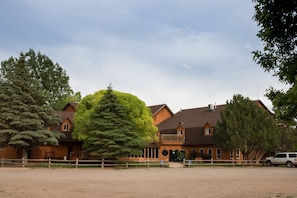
211 162
102 163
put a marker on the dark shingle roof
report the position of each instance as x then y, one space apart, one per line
65 115
193 118
73 104
195 136
157 108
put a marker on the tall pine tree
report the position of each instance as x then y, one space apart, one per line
24 113
246 126
111 135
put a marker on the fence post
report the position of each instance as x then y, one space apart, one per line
2 161
102 163
233 162
49 162
76 163
23 162
148 163
127 164
211 161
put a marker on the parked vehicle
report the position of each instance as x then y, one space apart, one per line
283 158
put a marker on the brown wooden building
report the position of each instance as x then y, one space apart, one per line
67 146
189 132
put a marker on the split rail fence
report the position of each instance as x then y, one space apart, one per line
211 162
102 163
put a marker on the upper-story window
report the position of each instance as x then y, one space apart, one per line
66 127
208 130
180 130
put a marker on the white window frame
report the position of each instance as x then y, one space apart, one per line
179 132
218 154
207 131
238 153
65 127
201 149
232 154
209 151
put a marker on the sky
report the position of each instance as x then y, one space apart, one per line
185 54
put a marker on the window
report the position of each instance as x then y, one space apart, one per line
237 154
281 155
292 155
201 151
66 127
150 152
231 155
210 151
207 131
164 152
218 153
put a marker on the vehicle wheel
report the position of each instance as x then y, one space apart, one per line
268 163
289 164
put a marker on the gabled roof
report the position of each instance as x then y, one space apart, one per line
73 104
157 108
197 117
192 118
65 115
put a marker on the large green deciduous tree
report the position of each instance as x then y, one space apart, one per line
24 111
277 20
112 134
53 79
246 126
138 113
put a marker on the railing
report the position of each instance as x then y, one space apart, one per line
212 162
51 163
172 138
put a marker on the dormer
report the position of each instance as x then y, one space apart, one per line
208 130
180 130
66 126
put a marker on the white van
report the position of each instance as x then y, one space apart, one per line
284 158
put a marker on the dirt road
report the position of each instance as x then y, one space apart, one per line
151 182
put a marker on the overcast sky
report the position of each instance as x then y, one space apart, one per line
185 53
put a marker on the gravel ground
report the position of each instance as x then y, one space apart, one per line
149 182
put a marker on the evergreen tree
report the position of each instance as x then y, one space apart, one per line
52 78
138 113
24 112
111 135
246 126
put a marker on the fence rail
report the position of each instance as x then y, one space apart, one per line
102 163
212 162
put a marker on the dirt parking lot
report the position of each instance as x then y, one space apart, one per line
149 182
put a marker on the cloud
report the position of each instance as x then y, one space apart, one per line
183 53
187 66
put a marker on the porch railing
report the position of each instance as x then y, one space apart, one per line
172 138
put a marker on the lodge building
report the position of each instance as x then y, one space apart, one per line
187 133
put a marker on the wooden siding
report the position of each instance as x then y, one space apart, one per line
162 115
